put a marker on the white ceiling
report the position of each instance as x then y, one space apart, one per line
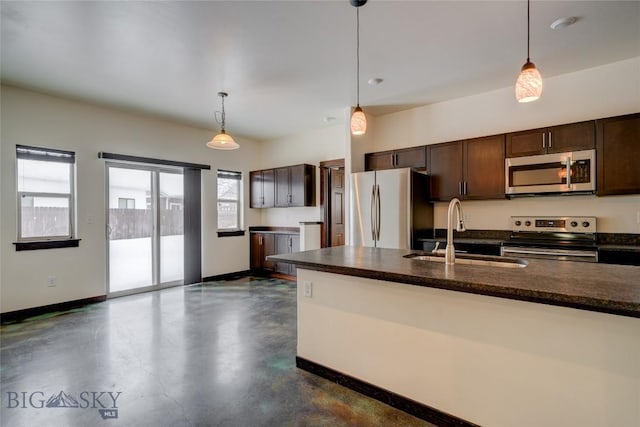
289 64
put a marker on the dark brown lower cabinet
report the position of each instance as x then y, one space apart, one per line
286 244
262 245
265 244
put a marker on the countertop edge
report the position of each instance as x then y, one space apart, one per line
549 298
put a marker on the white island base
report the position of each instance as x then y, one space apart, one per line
487 360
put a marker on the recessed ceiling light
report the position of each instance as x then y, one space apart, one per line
328 119
374 81
561 23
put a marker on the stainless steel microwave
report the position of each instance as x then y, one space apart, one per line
561 173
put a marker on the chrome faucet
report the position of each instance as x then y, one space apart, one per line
450 254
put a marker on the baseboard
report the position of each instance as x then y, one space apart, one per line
18 315
409 406
227 276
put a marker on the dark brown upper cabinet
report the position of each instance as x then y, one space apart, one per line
295 186
618 155
472 169
445 170
483 170
261 189
414 157
554 139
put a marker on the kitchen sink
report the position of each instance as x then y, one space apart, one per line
486 260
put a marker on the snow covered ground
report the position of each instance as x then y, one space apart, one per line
130 262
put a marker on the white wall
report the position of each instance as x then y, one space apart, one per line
310 147
604 91
491 361
31 118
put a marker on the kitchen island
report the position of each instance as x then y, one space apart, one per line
556 343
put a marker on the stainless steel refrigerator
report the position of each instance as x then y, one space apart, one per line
390 209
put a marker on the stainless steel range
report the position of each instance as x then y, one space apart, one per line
568 238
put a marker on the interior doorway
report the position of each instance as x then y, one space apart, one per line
332 204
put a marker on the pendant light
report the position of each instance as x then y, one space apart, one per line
223 141
358 119
529 83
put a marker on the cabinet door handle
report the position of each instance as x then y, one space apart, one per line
460 188
260 240
549 139
464 188
544 144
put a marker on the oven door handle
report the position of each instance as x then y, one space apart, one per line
568 163
532 252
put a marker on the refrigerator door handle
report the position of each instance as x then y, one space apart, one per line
378 212
372 213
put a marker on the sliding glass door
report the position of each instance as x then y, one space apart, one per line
145 227
171 207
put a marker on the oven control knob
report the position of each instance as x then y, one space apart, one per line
574 223
527 223
518 223
586 224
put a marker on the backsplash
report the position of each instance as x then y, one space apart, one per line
615 214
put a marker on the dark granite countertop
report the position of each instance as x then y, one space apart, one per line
622 248
274 229
604 288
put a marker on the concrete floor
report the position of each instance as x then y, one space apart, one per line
216 354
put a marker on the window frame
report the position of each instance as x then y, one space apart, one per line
52 156
126 201
239 230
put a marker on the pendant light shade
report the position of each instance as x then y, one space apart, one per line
529 83
358 118
223 141
358 122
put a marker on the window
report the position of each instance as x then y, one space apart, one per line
229 201
45 179
124 203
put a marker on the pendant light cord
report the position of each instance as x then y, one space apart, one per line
528 29
222 124
357 56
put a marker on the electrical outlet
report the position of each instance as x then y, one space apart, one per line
52 281
308 289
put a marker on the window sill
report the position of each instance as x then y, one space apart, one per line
231 233
47 244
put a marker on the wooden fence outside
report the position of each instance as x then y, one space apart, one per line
124 223
138 223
